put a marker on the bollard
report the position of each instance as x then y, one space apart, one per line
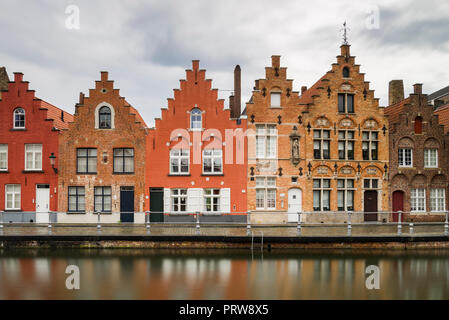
147 220
98 225
1 220
197 222
400 223
248 223
446 225
299 223
411 228
349 223
49 221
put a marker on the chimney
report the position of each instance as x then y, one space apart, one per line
345 52
395 91
303 89
4 79
236 100
276 61
104 75
417 88
18 76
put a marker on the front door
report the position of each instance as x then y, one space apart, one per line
127 204
370 205
398 205
156 204
294 204
42 203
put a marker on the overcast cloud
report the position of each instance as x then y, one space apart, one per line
147 45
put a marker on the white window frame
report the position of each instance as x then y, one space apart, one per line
321 189
266 186
178 194
428 158
373 144
417 195
275 103
343 138
35 154
178 158
216 154
106 198
320 139
14 118
14 194
437 199
266 141
195 112
403 163
346 190
214 197
4 153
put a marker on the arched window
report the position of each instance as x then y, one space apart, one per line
418 125
195 119
19 118
345 72
104 118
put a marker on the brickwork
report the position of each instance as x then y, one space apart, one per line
128 130
404 135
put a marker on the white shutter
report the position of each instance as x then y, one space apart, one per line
225 200
167 204
194 200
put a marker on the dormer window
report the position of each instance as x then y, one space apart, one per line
275 98
196 119
345 72
104 118
19 118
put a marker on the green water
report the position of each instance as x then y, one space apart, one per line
195 274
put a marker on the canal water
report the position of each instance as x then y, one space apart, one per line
197 274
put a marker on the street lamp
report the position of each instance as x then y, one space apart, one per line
52 162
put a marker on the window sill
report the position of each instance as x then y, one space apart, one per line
33 171
178 174
212 174
123 173
86 173
195 129
399 167
275 107
4 171
18 129
418 212
76 212
13 210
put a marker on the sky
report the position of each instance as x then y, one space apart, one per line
147 45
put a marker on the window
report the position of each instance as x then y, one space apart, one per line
212 200
346 145
345 72
179 161
431 158
418 125
86 160
345 103
77 200
275 98
321 194
195 119
370 145
418 198
104 118
321 144
124 160
405 157
178 200
19 118
345 194
3 157
437 200
212 161
266 141
33 157
12 197
265 193
370 183
103 199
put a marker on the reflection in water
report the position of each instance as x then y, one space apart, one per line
140 274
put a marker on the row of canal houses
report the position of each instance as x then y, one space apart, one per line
325 150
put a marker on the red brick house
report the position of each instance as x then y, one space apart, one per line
418 156
29 155
197 154
103 162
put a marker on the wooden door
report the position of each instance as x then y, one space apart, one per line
370 205
398 205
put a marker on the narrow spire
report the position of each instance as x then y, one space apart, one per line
345 30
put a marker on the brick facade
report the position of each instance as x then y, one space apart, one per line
175 131
126 130
414 126
31 180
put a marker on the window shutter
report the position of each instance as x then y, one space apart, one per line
194 200
167 202
225 200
